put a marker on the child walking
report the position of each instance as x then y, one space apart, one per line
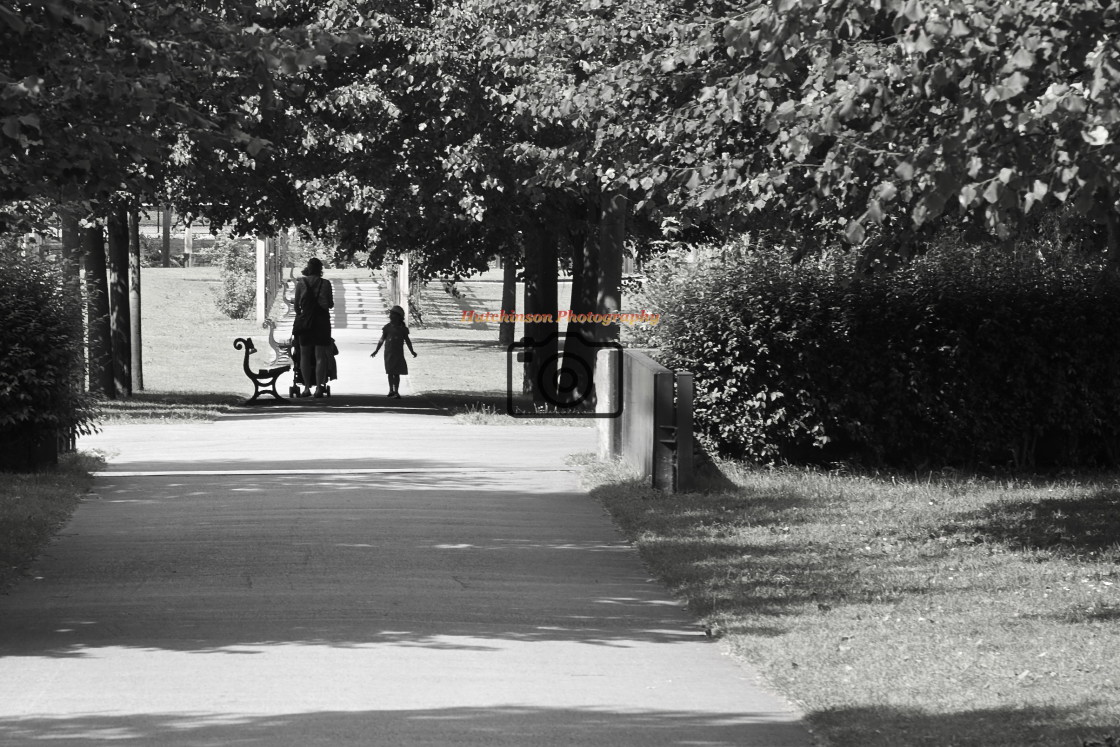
394 336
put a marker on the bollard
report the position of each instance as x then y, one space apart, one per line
665 436
683 480
608 399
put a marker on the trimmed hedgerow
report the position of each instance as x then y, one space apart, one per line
963 357
41 361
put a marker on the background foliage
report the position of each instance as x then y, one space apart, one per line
237 297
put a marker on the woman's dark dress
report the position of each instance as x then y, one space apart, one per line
320 333
394 336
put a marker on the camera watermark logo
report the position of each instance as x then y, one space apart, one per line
630 319
564 386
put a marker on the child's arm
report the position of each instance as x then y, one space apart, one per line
379 344
408 341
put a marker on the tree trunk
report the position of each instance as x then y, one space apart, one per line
136 345
578 372
612 237
99 335
541 275
165 249
509 298
118 301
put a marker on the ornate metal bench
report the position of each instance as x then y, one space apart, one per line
264 379
281 351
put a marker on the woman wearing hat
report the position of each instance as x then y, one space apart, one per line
315 346
394 336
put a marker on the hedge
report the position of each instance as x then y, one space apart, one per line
41 362
964 357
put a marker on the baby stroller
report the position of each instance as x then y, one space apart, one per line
297 371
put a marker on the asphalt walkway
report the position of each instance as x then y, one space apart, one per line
354 571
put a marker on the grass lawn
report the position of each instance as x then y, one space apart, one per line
191 369
940 611
188 343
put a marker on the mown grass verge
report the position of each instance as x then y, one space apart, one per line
33 507
946 610
162 407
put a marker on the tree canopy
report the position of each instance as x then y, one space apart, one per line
872 119
391 125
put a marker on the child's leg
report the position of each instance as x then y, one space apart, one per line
394 382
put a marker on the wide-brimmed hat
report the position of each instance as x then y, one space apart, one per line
397 311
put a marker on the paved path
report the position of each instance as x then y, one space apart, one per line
350 572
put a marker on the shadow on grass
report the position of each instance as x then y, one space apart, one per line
442 402
267 408
461 344
875 726
1085 525
456 401
738 552
442 310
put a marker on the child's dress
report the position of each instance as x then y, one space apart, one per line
394 336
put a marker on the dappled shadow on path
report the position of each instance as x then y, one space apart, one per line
433 560
501 724
311 465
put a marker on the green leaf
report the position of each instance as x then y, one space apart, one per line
994 190
1023 59
874 212
14 22
913 10
255 146
967 195
855 232
922 44
11 127
1096 136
